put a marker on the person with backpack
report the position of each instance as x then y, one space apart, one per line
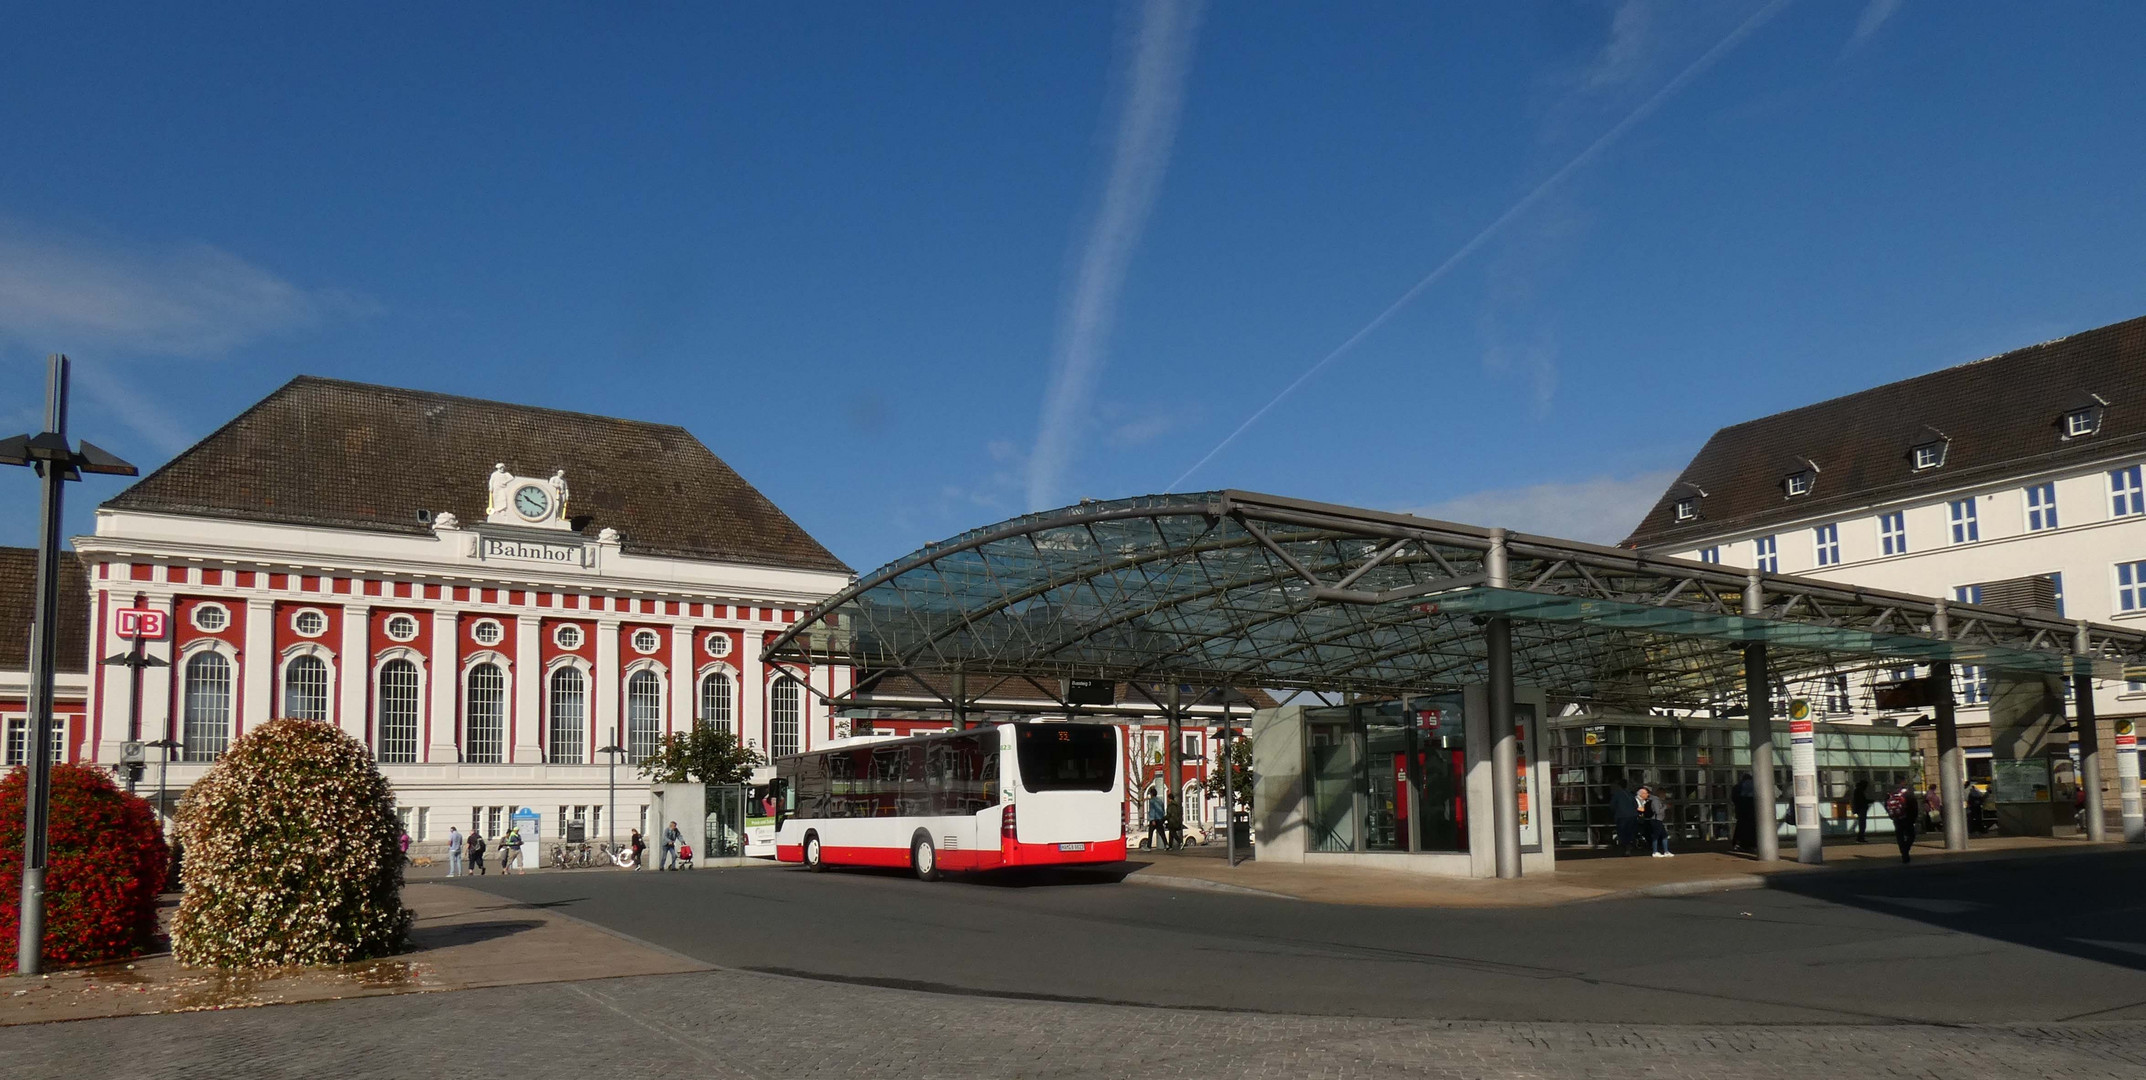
1906 811
510 851
474 847
1157 817
1658 811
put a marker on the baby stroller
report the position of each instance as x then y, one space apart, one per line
685 857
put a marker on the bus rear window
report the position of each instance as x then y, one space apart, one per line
1067 757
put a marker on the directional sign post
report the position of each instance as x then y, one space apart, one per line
2127 782
138 624
1803 769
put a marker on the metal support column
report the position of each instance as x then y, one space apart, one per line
1173 772
958 687
1951 760
1504 742
2086 731
1758 700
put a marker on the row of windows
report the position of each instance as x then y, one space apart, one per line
206 706
399 627
2127 498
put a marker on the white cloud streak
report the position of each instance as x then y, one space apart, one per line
1608 138
1151 98
68 294
1874 17
1602 510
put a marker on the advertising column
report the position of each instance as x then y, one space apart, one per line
1803 768
2127 782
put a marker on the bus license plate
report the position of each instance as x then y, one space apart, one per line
1072 847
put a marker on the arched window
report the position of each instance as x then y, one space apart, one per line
208 707
398 711
644 714
305 689
786 710
715 701
569 714
486 725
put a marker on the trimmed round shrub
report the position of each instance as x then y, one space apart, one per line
105 860
291 854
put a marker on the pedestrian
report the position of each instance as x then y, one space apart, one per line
639 845
1157 815
454 852
475 847
1977 818
404 845
1746 802
671 839
1174 823
510 851
1658 809
1624 810
1643 797
1934 807
1904 808
1862 809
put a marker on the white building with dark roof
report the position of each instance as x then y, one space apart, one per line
486 594
2013 483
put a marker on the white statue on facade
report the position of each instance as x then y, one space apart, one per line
607 535
446 520
501 480
558 489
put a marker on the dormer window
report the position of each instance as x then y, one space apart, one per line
1930 455
1797 483
1688 509
2080 423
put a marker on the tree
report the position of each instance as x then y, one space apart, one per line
709 755
1240 779
105 860
291 854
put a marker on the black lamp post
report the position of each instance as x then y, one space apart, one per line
56 462
611 753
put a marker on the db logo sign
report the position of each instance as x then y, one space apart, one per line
141 623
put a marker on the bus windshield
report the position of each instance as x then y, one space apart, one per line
1067 757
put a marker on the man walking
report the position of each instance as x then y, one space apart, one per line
1905 810
1862 809
1624 810
475 846
510 850
671 839
454 852
1157 815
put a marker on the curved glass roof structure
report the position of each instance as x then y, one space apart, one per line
1232 588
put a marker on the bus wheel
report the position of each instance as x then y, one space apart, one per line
813 861
924 858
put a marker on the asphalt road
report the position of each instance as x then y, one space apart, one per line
2034 940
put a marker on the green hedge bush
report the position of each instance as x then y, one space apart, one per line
291 854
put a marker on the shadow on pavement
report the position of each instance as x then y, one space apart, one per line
440 937
2083 904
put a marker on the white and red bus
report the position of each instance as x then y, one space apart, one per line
1035 794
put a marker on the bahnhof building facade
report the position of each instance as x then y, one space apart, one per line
487 595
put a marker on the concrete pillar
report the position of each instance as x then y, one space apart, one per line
1504 742
606 724
528 746
1951 760
1758 701
443 680
258 681
678 718
1173 769
2086 731
353 676
2127 782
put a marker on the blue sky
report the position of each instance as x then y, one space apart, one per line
913 269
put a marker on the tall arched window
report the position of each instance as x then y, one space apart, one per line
208 707
786 709
715 701
305 689
569 715
486 725
644 714
398 711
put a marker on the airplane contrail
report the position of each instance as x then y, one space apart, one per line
1147 127
1595 148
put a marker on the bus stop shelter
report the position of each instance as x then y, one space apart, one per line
1236 589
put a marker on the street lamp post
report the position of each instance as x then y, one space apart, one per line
611 754
56 462
163 769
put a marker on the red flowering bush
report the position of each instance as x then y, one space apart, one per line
105 860
291 852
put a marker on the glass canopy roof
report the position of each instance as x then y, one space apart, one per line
1231 588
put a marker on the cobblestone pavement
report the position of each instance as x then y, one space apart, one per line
733 1024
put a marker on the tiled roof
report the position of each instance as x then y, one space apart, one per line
1996 418
351 455
18 605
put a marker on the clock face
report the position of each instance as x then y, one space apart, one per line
531 501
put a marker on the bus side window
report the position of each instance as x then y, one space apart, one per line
988 770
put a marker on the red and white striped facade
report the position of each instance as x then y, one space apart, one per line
276 619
